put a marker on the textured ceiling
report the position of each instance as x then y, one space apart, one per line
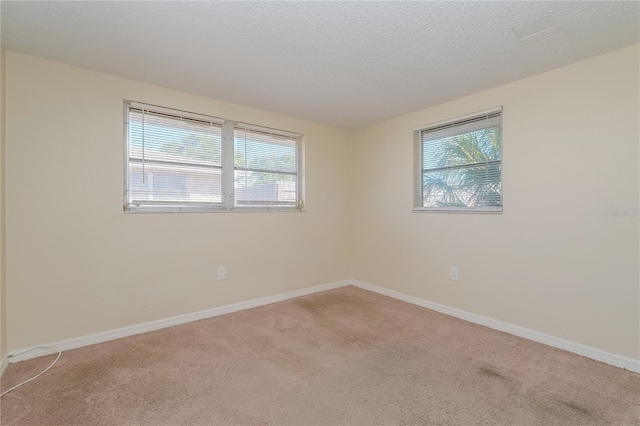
347 64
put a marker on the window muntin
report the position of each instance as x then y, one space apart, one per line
459 165
178 161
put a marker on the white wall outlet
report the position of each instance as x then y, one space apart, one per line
222 272
453 273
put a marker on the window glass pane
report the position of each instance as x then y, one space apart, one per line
472 186
465 148
265 168
460 165
173 159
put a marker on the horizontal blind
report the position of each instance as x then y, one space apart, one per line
265 167
459 164
175 158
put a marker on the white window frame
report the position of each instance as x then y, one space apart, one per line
227 152
418 201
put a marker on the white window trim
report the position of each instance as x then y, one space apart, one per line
228 166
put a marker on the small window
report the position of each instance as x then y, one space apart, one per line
458 165
179 161
265 167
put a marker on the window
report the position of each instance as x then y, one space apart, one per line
179 161
458 165
265 167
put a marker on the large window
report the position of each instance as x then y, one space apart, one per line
458 165
179 161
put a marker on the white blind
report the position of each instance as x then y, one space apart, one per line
174 158
265 167
459 164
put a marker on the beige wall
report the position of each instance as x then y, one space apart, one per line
556 262
3 287
78 265
553 261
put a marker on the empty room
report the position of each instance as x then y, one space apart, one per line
320 213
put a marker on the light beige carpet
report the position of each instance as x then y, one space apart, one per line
341 357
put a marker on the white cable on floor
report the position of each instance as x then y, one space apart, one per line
34 377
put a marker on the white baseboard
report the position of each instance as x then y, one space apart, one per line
587 351
547 339
4 362
163 323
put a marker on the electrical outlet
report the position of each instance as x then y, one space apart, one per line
222 272
453 273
